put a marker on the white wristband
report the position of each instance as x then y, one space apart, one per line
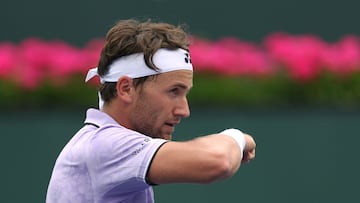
237 135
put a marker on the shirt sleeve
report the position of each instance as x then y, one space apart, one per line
119 160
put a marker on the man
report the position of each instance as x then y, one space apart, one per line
125 147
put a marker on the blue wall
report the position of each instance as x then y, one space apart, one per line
79 21
303 155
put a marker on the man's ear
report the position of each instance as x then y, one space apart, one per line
125 88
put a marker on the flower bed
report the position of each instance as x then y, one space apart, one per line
283 69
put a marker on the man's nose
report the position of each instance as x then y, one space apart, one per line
182 110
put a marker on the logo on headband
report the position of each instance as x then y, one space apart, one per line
187 58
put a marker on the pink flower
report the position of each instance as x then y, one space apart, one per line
229 56
64 60
200 58
91 53
248 58
33 59
299 55
8 59
343 57
303 57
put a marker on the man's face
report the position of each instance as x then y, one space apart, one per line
161 103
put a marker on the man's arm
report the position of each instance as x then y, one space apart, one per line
201 160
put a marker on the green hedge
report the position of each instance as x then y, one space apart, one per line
327 90
209 89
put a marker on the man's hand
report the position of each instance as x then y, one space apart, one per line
249 150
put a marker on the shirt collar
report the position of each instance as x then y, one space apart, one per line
99 118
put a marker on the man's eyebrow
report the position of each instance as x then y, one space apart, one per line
182 86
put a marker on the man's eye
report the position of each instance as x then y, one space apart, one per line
174 91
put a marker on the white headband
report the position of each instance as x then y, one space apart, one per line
134 65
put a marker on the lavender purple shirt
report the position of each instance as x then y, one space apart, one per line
103 162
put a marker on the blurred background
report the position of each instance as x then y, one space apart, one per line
286 72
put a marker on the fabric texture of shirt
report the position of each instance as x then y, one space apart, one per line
104 162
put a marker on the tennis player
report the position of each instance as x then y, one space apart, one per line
125 146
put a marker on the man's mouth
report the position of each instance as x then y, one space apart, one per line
171 124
